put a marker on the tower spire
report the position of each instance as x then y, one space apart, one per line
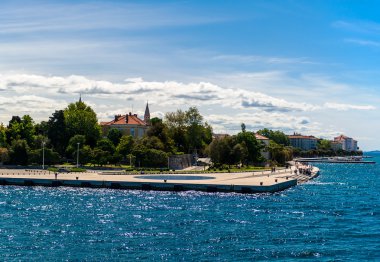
147 114
80 98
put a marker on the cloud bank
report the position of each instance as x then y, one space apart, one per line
164 93
225 108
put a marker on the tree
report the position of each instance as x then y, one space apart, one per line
85 154
176 123
248 140
27 131
114 135
80 119
159 130
38 140
13 131
194 128
188 131
155 158
243 127
239 154
125 145
277 136
3 136
20 128
51 157
72 148
100 157
41 128
279 153
227 150
218 151
149 157
106 145
324 144
56 131
19 152
4 155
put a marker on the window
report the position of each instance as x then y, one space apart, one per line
141 132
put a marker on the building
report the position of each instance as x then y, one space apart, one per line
303 142
219 136
147 114
348 143
129 124
335 145
265 141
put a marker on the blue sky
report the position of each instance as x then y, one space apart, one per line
297 66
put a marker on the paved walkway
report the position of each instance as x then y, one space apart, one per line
256 178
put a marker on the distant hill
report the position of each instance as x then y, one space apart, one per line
373 152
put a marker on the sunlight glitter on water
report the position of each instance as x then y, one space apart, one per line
326 219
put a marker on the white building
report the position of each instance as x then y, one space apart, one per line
348 143
335 145
265 141
303 142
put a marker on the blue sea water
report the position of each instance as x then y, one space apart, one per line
335 217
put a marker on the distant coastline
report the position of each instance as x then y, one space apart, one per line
372 152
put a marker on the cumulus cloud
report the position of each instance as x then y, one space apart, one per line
29 104
164 93
168 92
259 120
225 108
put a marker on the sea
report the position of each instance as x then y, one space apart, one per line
335 217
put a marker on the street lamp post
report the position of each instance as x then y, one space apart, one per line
78 155
43 155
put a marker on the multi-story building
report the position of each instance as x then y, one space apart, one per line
265 141
336 145
129 124
303 142
348 143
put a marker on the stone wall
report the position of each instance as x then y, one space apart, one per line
180 161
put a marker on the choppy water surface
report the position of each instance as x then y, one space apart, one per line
334 217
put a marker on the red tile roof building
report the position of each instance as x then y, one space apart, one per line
335 145
260 137
129 124
348 144
303 142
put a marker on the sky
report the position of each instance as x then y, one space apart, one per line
310 67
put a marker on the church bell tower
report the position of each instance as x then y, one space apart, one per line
147 114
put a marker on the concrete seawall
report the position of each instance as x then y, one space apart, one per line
255 182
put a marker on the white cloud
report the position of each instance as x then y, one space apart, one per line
345 107
368 27
76 17
363 42
261 59
28 105
225 108
165 93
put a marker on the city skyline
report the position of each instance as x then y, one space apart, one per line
294 66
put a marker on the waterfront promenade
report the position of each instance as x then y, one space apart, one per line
247 182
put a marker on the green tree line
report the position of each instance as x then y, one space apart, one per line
74 132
